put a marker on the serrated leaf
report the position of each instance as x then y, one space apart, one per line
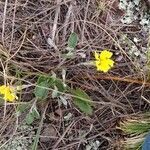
72 41
29 118
146 144
82 101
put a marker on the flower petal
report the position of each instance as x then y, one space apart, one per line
2 89
105 54
97 63
8 93
96 55
103 61
104 67
110 62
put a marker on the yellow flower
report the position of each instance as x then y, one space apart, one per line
8 93
103 61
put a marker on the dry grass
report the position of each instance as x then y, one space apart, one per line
24 53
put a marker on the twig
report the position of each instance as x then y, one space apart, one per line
13 24
67 20
4 19
84 22
59 140
122 79
56 20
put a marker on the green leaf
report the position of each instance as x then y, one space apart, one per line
60 85
84 106
29 118
41 91
82 101
72 41
22 108
32 115
135 127
48 79
44 83
44 78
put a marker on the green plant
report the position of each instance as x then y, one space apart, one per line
71 45
58 90
82 101
136 130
